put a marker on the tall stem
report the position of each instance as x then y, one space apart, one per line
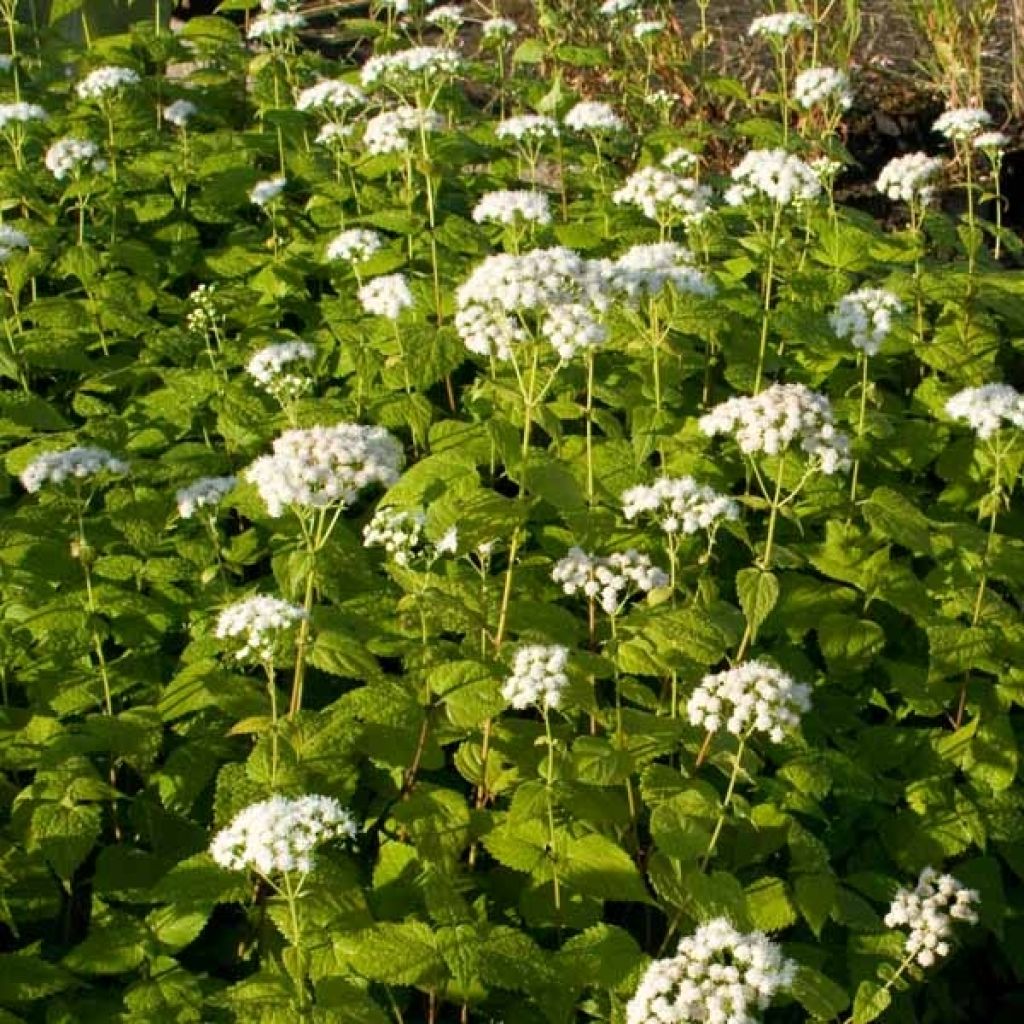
860 423
773 515
590 428
766 307
719 824
550 774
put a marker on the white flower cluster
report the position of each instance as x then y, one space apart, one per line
280 835
962 123
20 113
11 239
752 697
679 504
573 328
929 911
663 195
447 16
986 409
538 676
334 133
648 269
204 314
991 142
273 368
258 622
610 580
719 975
527 128
74 464
325 466
864 317
386 296
102 82
910 178
818 86
390 130
781 416
206 492
594 117
71 156
680 159
356 245
612 8
180 112
398 531
330 94
265 192
276 24
416 64
780 26
510 207
775 175
643 29
499 28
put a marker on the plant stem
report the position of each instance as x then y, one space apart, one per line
551 811
730 790
590 428
860 423
767 292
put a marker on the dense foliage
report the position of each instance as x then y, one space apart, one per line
419 608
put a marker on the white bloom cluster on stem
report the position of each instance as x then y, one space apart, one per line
991 142
647 269
718 975
11 239
774 175
780 26
752 697
962 123
390 130
330 94
20 113
274 368
512 206
818 86
77 463
929 911
72 156
910 178
386 296
680 159
447 16
276 24
280 835
411 66
643 29
778 418
398 531
538 676
106 81
594 117
334 133
613 8
607 579
988 408
180 112
663 195
679 505
320 467
206 492
864 318
573 328
527 128
259 623
265 192
499 28
354 245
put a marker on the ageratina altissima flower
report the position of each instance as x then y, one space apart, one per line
962 123
180 112
816 87
593 117
644 271
79 463
354 245
864 318
334 133
783 416
276 25
73 156
573 328
538 677
11 240
718 976
410 67
929 911
20 113
527 128
399 531
510 207
679 505
447 16
664 196
332 95
613 8
280 835
283 369
773 175
206 492
259 624
263 193
494 29
988 408
911 178
609 580
105 82
680 159
780 26
391 130
643 29
991 142
386 296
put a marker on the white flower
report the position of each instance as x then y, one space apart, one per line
718 976
573 328
449 542
752 697
71 156
280 835
408 67
611 8
661 98
98 84
272 367
991 141
679 159
11 239
527 128
398 531
206 492
76 463
258 623
386 296
330 94
390 130
779 417
817 86
864 317
6 62
20 113
204 315
910 178
826 168
645 270
988 408
354 245
592 116
179 112
265 192
643 29
447 16
664 196
780 26
775 175
609 581
276 24
499 28
962 123
321 467
509 207
679 505
929 911
333 133
538 677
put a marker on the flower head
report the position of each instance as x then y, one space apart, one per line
510 207
276 25
594 117
527 128
818 86
354 245
283 369
991 142
609 580
386 296
409 67
80 463
330 94
259 623
773 175
494 29
20 113
646 270
72 156
11 240
679 505
206 492
929 911
962 123
910 178
390 130
665 196
538 677
180 112
780 26
263 193
864 317
988 408
106 81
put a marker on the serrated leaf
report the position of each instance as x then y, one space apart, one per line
758 592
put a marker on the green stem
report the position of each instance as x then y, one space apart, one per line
860 423
550 774
731 789
767 295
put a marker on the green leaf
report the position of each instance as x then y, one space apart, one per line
898 519
819 995
769 904
870 1002
397 953
599 867
758 592
25 978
